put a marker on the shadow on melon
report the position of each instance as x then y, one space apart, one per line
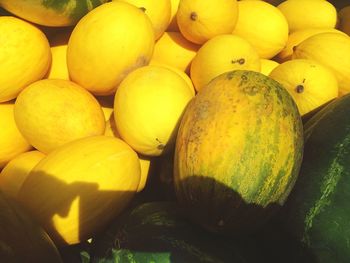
72 212
220 209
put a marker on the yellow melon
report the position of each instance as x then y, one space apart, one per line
181 73
106 103
16 171
297 37
267 65
24 54
331 50
145 161
58 44
308 14
308 82
107 44
159 13
174 50
52 112
148 106
221 54
201 20
263 26
78 188
12 142
173 27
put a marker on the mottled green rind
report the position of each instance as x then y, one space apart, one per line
219 201
158 232
82 7
64 16
21 238
318 210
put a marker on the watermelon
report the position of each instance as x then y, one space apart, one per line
238 152
317 211
77 253
158 232
51 12
21 238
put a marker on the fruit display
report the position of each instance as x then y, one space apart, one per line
180 131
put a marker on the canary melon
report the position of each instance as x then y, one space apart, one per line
107 44
16 171
52 112
148 106
12 142
76 190
331 50
302 15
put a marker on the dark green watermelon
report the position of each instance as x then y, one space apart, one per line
158 232
76 253
318 210
21 239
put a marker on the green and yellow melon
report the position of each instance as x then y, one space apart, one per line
238 152
51 12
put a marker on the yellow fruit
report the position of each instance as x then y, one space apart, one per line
58 68
111 129
309 83
76 190
159 13
145 161
263 26
344 20
331 50
297 37
24 54
107 44
147 108
106 103
12 142
308 14
175 50
267 65
16 171
201 20
173 27
50 113
181 73
221 54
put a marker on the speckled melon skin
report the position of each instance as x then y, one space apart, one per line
238 152
54 13
317 210
158 232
